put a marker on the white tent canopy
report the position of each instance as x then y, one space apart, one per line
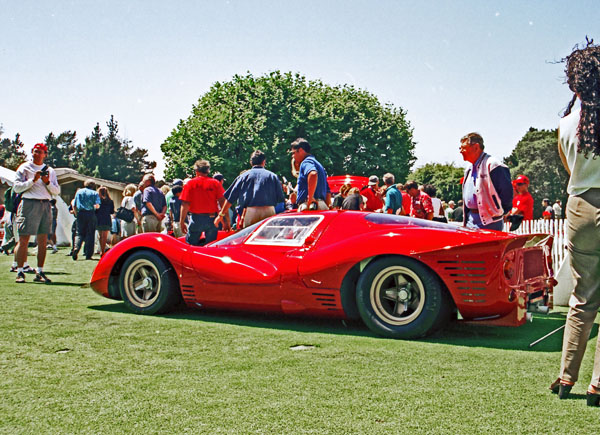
6 175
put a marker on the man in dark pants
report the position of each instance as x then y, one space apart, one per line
85 204
202 197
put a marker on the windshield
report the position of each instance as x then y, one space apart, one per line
285 231
237 238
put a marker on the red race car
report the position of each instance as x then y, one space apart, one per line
403 277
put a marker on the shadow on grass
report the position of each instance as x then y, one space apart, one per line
82 285
519 338
456 333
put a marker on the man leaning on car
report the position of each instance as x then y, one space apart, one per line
312 178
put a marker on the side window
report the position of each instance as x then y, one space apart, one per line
285 231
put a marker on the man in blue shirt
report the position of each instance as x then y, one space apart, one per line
312 178
85 204
393 197
487 187
257 191
154 206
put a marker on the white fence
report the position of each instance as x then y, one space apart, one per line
556 227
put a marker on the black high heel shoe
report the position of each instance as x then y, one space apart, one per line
593 397
562 389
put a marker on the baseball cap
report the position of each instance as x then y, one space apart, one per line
41 146
177 182
218 176
373 180
521 179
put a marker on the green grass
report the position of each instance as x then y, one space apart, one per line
74 362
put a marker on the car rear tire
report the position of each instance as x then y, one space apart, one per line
148 284
399 297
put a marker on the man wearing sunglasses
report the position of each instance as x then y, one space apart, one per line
487 189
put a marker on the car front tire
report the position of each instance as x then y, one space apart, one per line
148 284
399 297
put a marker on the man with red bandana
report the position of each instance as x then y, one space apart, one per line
522 201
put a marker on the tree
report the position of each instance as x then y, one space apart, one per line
63 150
350 131
12 153
445 177
112 157
536 156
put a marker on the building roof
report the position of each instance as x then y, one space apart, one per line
68 175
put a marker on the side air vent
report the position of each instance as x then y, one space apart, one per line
187 291
469 278
327 300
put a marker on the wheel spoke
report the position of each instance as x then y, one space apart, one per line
139 285
147 294
143 272
391 294
400 308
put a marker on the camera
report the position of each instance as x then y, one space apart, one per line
44 171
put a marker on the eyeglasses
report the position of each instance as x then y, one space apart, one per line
520 184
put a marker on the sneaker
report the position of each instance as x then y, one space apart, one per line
41 277
28 269
74 256
54 249
20 277
13 268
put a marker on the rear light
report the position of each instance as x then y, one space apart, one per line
509 267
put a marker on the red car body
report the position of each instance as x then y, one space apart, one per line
337 181
404 277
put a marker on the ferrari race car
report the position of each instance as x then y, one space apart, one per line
403 277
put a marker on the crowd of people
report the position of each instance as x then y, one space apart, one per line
198 207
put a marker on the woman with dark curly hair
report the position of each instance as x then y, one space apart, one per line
579 148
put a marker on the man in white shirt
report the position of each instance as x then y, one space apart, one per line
37 183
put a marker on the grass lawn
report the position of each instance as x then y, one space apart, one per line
74 362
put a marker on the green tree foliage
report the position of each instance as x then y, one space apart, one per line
536 156
12 153
445 177
350 131
63 150
111 157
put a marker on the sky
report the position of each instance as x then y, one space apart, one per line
453 66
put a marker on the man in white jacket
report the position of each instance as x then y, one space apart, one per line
37 183
487 187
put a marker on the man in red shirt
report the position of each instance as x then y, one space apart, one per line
421 206
522 201
202 197
372 194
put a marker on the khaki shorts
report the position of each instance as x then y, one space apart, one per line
150 224
322 206
34 217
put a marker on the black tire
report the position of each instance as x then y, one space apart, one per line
399 297
148 284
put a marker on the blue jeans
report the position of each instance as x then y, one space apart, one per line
201 223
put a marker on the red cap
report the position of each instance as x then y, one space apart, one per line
40 146
521 179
